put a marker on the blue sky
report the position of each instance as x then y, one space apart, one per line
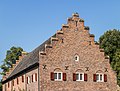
28 23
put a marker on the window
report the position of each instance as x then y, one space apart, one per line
34 77
99 77
79 76
8 84
28 80
13 82
58 76
22 78
17 81
76 58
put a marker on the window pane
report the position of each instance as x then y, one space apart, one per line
29 80
59 75
97 77
100 77
55 75
77 76
75 58
81 76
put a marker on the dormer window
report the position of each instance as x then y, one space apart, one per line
76 58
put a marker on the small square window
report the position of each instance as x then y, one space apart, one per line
58 76
79 76
99 77
76 58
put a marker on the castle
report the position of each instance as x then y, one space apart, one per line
68 61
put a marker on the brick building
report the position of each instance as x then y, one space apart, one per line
68 61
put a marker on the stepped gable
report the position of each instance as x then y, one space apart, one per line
31 59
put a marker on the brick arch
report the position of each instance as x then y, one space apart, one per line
58 70
79 70
76 54
99 71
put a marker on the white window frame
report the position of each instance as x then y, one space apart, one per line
58 76
99 77
79 76
77 58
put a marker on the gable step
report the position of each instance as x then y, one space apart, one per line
42 53
59 32
107 57
86 28
75 15
101 50
65 26
92 35
70 19
81 20
54 39
48 46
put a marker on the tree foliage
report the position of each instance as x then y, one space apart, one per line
11 56
1 85
110 42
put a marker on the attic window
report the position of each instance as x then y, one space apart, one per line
76 58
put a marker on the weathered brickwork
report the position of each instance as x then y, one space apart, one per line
75 40
69 61
32 86
20 83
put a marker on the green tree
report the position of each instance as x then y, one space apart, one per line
0 86
110 42
11 56
116 65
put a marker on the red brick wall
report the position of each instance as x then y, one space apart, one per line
75 41
20 84
32 86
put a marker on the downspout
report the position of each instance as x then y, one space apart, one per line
5 87
38 78
39 72
25 82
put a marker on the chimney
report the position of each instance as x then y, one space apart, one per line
13 65
4 77
7 73
24 53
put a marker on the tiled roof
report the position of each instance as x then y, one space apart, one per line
29 60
